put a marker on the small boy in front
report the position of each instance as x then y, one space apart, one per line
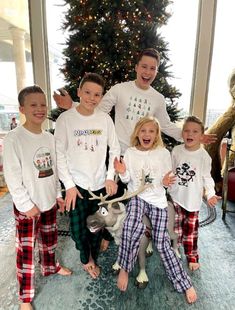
192 166
83 134
30 171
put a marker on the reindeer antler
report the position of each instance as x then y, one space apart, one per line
125 196
100 197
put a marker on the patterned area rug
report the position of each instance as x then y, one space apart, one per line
214 282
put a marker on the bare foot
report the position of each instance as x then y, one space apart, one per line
193 266
104 245
93 270
122 281
64 271
191 295
90 264
26 306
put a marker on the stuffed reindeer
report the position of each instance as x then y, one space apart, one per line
111 215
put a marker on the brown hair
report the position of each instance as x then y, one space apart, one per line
151 52
144 120
27 91
194 119
94 78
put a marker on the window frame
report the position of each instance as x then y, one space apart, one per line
202 57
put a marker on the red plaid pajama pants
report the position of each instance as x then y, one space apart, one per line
42 229
186 226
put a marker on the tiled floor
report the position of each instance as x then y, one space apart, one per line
215 281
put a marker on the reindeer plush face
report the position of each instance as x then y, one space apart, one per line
111 212
106 216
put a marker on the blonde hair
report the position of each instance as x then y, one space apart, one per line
144 120
194 119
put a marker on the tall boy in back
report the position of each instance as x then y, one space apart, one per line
135 99
83 134
30 171
192 166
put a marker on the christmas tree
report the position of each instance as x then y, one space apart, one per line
106 36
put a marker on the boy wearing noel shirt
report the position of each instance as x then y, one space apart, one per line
83 134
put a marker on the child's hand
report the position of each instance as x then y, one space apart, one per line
61 204
111 187
63 101
213 200
119 166
168 179
209 138
34 212
70 198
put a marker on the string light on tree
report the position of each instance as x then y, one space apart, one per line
106 36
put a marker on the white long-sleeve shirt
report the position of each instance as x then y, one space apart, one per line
81 147
29 163
193 171
131 103
155 163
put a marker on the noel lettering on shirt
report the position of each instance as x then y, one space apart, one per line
88 139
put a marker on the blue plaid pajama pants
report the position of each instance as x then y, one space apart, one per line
134 229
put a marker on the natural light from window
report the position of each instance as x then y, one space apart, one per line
180 32
223 61
181 54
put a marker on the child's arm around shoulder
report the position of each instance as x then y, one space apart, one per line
110 99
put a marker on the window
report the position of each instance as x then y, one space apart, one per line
181 32
181 55
222 61
56 41
15 58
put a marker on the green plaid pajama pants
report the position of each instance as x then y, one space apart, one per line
85 241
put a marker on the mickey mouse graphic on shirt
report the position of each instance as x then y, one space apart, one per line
43 162
185 174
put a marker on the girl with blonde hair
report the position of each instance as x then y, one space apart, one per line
147 153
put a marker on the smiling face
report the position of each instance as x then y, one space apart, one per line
34 108
192 135
90 95
147 136
146 71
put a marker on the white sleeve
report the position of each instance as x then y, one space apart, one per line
61 141
208 181
169 128
58 189
173 160
114 148
13 174
167 162
109 100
